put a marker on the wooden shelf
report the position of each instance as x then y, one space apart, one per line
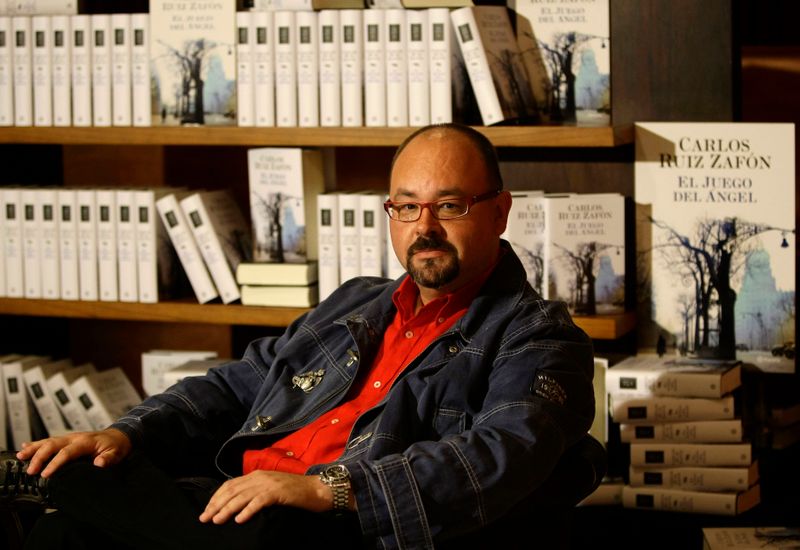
505 136
607 327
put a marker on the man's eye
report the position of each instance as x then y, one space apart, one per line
448 206
410 207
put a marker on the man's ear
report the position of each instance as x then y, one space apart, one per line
503 207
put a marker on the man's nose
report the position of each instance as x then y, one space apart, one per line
427 222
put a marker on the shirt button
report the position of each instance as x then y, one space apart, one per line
441 319
409 334
335 421
289 453
376 384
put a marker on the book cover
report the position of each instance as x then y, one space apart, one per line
640 410
107 260
42 67
716 235
692 502
352 55
328 243
100 56
374 36
525 232
419 85
49 251
280 296
646 375
31 242
494 64
36 383
157 362
264 68
330 69
691 454
68 244
12 242
222 235
285 68
81 72
396 59
180 234
284 185
245 69
43 7
6 72
440 59
126 246
271 274
140 69
62 70
573 37
105 396
121 70
703 478
193 61
23 70
585 252
698 431
88 278
59 385
307 34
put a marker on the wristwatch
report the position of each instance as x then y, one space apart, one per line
337 477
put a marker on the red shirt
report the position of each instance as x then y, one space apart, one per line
324 439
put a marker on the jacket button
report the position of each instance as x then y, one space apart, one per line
453 349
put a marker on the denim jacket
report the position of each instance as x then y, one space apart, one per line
474 423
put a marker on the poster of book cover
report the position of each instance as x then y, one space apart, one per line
525 234
193 62
716 240
284 184
585 252
574 42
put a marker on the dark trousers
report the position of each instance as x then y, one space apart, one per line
137 505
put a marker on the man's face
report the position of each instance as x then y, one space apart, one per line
443 255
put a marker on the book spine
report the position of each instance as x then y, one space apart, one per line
62 71
182 240
121 52
107 262
31 243
42 7
245 87
126 246
68 243
23 71
6 72
14 263
69 406
17 404
670 409
372 235
328 252
146 220
691 454
374 68
349 240
704 478
42 71
330 82
43 401
87 244
394 268
285 69
81 53
47 204
264 68
396 60
306 33
101 69
419 86
677 384
703 431
97 414
141 100
676 500
2 247
352 55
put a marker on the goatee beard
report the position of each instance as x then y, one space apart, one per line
433 272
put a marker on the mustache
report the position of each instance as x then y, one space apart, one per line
428 243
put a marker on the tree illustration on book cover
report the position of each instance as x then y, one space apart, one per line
716 224
193 62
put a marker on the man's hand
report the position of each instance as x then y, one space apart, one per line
243 496
107 447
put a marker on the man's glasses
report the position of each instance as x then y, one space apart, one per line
445 209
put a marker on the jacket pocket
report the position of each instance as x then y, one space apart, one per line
448 421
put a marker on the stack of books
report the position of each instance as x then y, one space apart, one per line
689 450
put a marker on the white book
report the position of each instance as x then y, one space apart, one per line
691 454
285 69
121 51
23 71
395 45
749 538
193 367
105 396
275 5
59 385
157 362
328 239
352 56
50 253
701 431
696 502
4 359
181 236
43 400
284 184
101 69
280 296
600 428
419 87
6 72
12 245
18 401
440 53
330 70
126 246
245 68
272 274
608 493
374 68
107 268
42 75
525 232
62 70
307 36
349 239
141 100
264 68
68 244
222 235
81 51
2 246
42 7
640 410
31 243
696 478
157 261
372 234
87 244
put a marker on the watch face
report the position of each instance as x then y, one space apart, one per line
336 473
